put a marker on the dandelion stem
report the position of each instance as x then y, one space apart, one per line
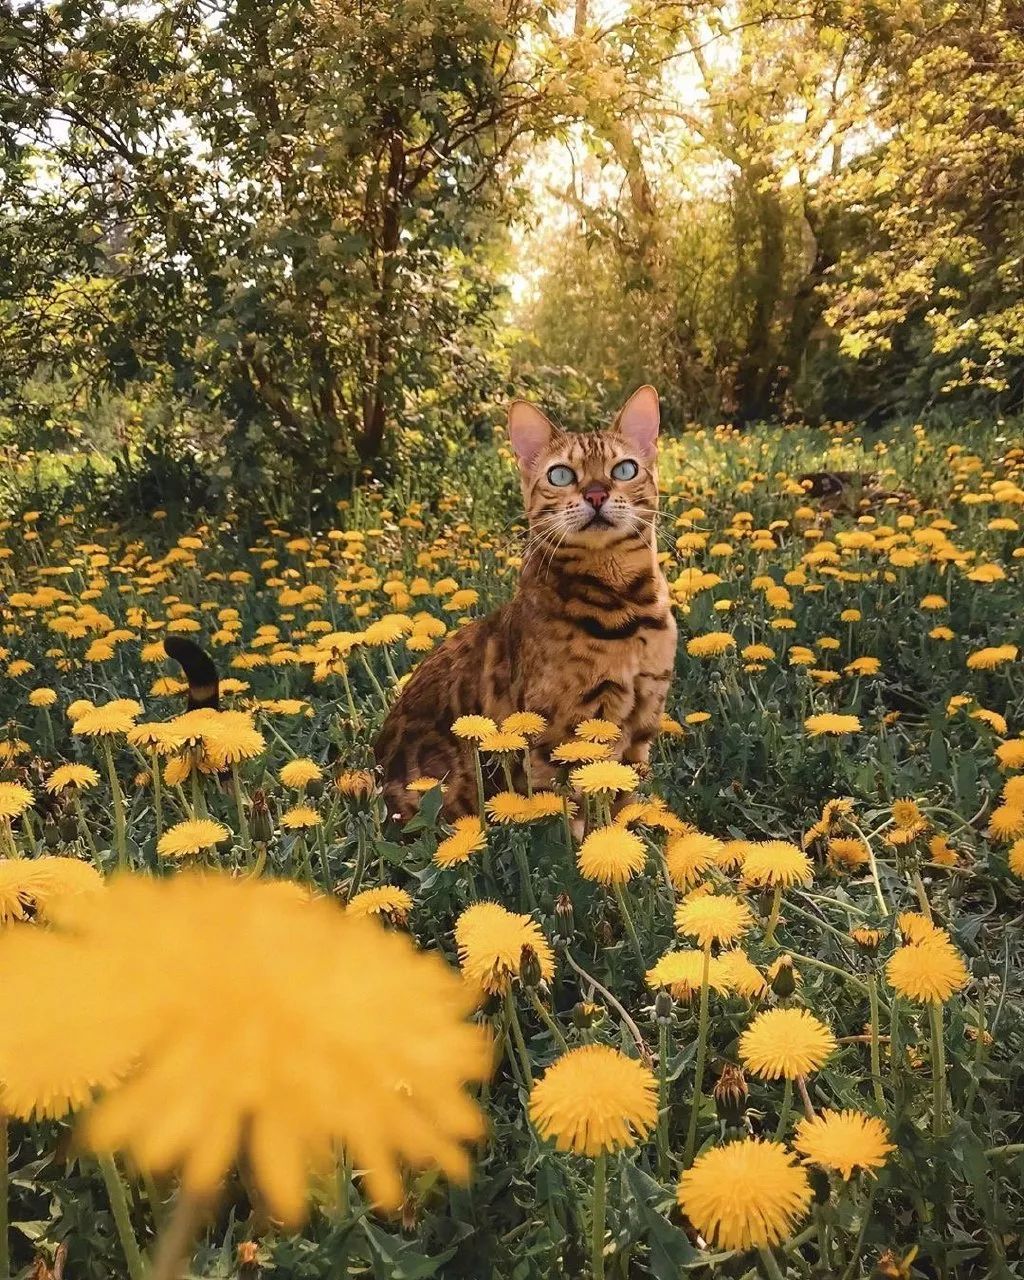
243 821
627 919
600 1200
773 917
175 1243
528 896
938 1069
548 1020
876 1060
5 1253
865 1219
883 906
805 1097
122 1217
10 846
852 979
787 1107
895 1049
771 1267
702 1049
481 804
119 820
663 1164
348 695
922 894
83 826
567 825
634 1030
979 1055
517 1035
158 792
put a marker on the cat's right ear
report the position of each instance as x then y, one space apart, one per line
530 433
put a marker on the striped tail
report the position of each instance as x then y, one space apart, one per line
203 682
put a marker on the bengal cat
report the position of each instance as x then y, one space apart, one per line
589 632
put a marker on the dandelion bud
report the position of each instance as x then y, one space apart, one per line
529 967
315 788
783 977
52 834
586 1015
564 917
248 1256
260 821
605 933
730 1094
868 940
664 1006
68 828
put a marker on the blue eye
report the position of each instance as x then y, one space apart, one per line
625 470
561 476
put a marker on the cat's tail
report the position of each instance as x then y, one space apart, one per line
203 681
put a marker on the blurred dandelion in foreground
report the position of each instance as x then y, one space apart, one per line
223 1016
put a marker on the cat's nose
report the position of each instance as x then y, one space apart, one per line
595 494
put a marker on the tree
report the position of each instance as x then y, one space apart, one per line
286 205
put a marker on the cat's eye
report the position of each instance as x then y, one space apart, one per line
625 470
561 476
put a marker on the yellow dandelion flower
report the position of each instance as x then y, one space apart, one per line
830 723
383 900
14 799
546 804
503 742
106 721
845 1141
527 723
688 856
231 737
300 817
611 855
929 971
579 752
604 776
683 971
742 975
710 645
745 1195
473 728
848 850
1006 822
990 658
79 777
598 731
191 837
31 886
42 697
786 1043
1011 754
713 918
204 971
776 862
420 786
1016 858
490 942
595 1100
299 773
508 807
468 837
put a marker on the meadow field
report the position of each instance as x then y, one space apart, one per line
767 1019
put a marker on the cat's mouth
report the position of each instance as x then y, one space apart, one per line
597 520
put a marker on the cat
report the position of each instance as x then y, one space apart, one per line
589 633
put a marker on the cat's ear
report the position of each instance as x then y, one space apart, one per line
638 421
530 433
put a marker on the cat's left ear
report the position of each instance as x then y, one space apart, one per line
638 422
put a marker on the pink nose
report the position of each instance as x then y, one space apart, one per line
596 495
